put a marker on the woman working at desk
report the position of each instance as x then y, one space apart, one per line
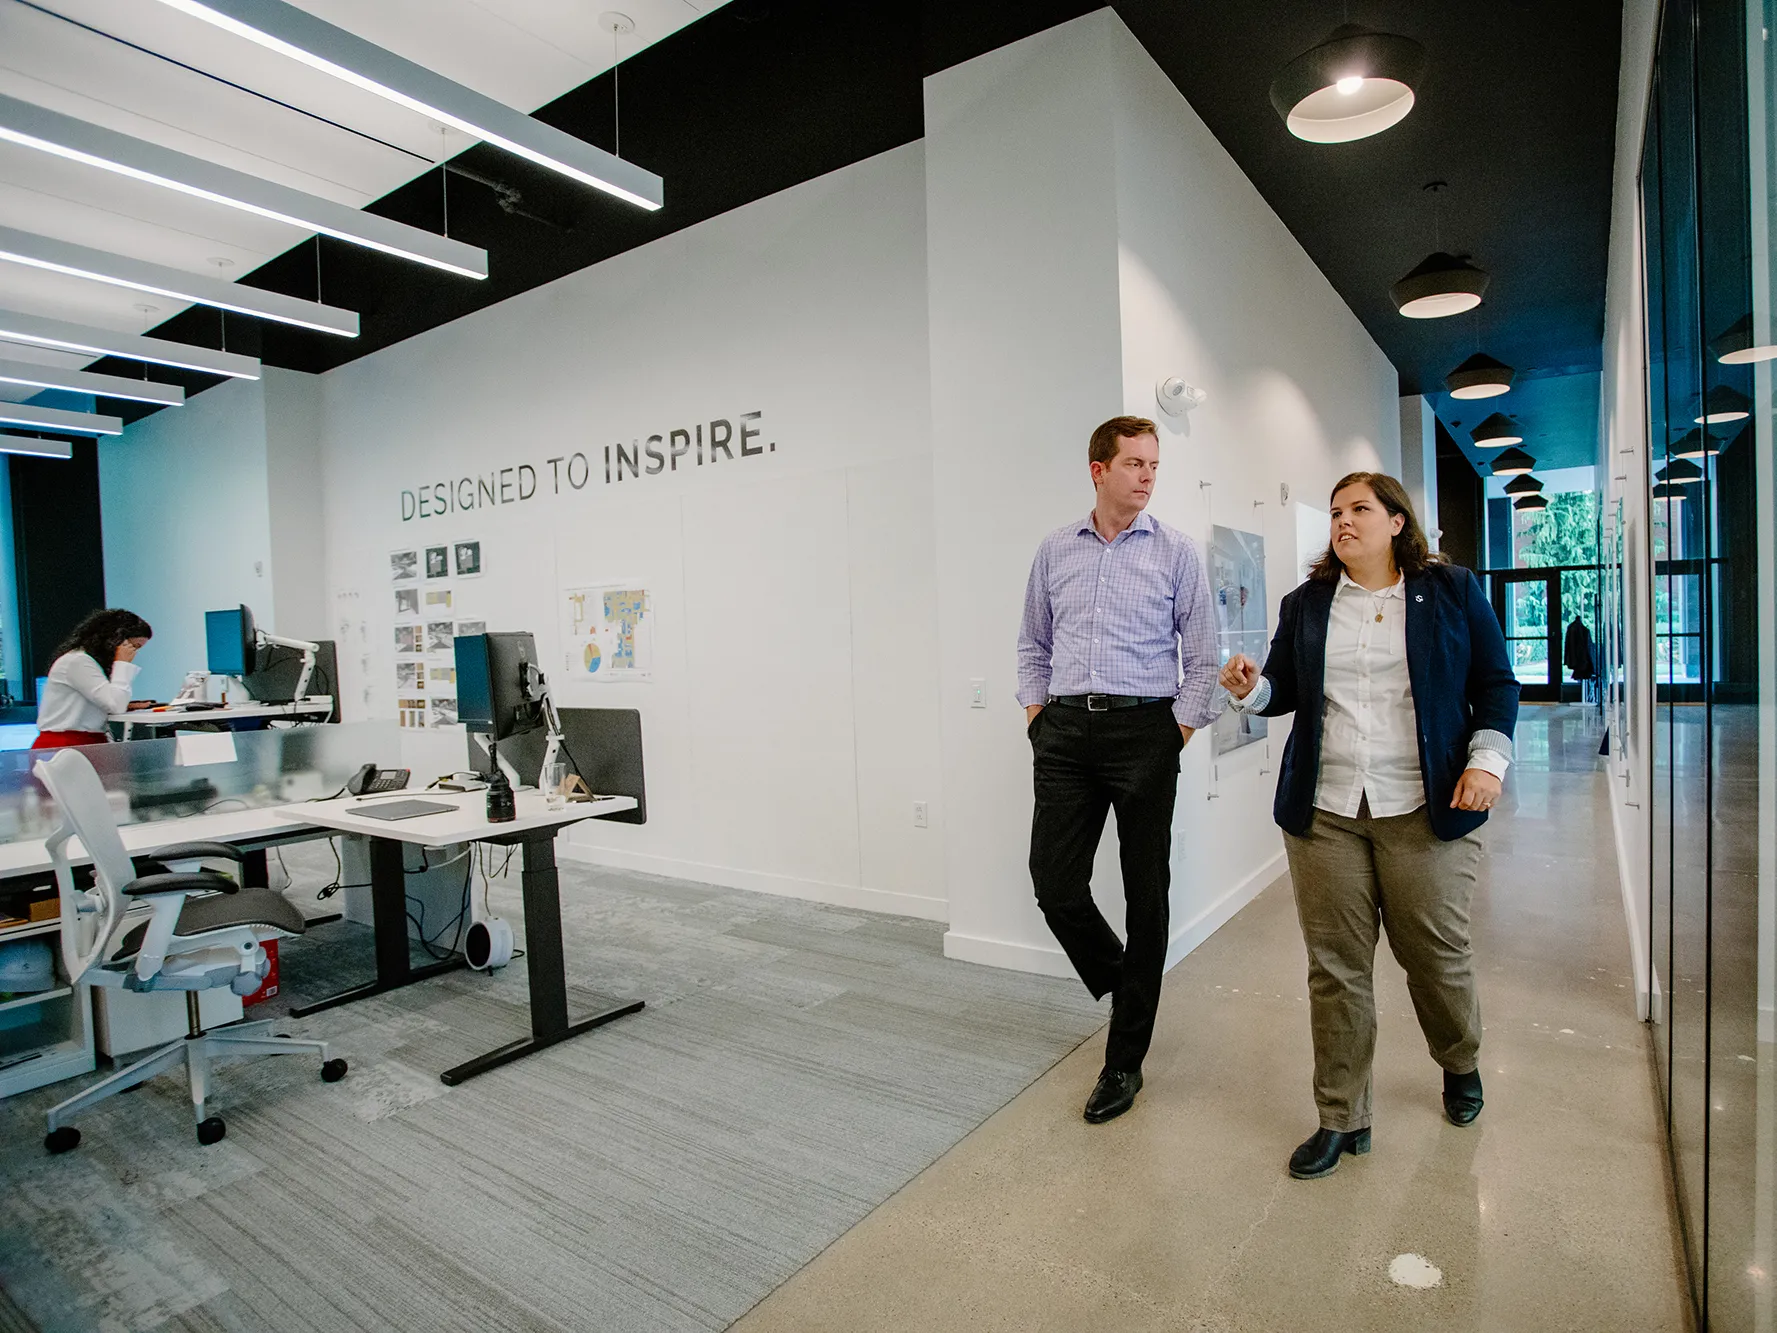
90 679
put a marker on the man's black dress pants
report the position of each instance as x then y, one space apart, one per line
1088 763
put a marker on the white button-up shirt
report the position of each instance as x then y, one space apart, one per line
78 695
1369 732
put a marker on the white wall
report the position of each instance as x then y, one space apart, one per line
791 723
1087 236
185 509
1622 466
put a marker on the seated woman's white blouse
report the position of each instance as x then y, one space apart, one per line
78 696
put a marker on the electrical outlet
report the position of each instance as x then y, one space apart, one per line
977 692
919 814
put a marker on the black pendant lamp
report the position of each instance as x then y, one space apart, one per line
1724 403
1680 472
1523 484
1479 377
1497 431
1737 348
1530 502
1512 463
1442 285
1667 491
1354 84
1694 444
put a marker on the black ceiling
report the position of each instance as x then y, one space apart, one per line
1517 113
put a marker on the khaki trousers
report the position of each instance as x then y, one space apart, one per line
1352 875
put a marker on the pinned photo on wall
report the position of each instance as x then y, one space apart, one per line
467 627
608 633
410 676
404 565
410 712
407 638
437 599
440 637
442 675
407 602
468 556
438 562
444 710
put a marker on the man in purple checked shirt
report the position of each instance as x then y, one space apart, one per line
1116 670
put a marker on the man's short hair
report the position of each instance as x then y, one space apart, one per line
1104 444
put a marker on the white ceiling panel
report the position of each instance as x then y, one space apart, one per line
524 53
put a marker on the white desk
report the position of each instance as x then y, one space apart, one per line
466 821
169 716
29 857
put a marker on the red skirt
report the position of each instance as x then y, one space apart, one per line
52 740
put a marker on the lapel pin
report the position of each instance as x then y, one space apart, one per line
1419 597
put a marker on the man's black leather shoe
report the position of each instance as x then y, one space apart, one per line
1462 1097
1320 1155
1114 1095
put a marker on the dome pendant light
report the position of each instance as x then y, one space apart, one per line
1523 484
1498 431
1695 444
1737 348
1512 462
1724 403
1354 84
1530 502
1441 285
1479 377
1679 472
1667 491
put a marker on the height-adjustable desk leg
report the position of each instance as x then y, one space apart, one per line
544 963
388 900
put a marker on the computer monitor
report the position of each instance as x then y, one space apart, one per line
499 684
231 642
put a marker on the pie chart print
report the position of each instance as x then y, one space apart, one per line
594 660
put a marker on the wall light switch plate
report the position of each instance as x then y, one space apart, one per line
977 692
919 814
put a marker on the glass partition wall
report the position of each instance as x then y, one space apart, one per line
1705 197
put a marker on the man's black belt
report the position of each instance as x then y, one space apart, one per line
1103 703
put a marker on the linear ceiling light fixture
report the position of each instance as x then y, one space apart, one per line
1512 462
1498 431
1737 347
32 447
1442 285
35 376
1724 403
1354 84
45 252
41 331
301 36
50 132
1480 377
1523 484
54 418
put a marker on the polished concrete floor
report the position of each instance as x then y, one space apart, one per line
1552 1212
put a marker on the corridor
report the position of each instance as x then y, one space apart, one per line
1552 1212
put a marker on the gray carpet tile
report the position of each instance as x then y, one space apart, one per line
795 1066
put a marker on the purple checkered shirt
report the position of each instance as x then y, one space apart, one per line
1130 616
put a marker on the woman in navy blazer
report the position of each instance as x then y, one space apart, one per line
1406 701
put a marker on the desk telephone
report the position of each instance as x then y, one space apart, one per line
371 780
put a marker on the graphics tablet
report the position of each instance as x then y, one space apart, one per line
404 809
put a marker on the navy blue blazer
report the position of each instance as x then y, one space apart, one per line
1462 682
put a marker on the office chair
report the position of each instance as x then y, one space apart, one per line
203 931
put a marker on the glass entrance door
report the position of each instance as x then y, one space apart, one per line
1528 604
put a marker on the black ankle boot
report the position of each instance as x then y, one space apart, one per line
1320 1155
1462 1097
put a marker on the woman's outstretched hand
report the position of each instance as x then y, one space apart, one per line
1240 675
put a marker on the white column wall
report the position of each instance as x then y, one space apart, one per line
1087 237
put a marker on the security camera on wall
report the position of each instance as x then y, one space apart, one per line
1176 397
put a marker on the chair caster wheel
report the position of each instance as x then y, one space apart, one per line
333 1070
61 1140
211 1130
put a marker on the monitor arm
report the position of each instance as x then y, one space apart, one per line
308 656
